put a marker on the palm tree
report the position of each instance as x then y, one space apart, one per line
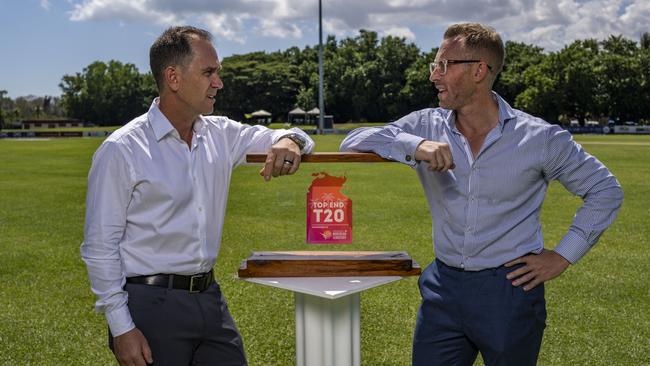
645 41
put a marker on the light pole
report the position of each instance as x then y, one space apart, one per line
321 102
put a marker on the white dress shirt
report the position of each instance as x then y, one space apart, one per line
155 205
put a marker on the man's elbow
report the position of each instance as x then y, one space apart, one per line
618 195
345 146
611 197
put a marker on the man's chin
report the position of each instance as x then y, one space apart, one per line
209 109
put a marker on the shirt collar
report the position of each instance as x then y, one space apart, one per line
506 113
162 127
159 123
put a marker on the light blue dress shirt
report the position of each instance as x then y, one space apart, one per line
486 211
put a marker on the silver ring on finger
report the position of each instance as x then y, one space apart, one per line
288 162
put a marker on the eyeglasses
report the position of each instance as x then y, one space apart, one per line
441 65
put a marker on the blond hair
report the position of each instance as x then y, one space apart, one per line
481 39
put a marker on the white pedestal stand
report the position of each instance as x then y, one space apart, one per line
327 316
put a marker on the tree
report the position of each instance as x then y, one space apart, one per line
645 41
395 56
620 79
257 81
563 83
519 57
643 56
542 94
376 79
418 91
2 98
619 45
107 93
2 112
580 87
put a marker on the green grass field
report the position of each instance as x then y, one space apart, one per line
275 125
598 311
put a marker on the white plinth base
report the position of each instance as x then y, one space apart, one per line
327 316
327 331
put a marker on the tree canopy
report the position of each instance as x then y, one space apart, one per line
368 78
107 93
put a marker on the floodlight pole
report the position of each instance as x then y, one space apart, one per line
321 102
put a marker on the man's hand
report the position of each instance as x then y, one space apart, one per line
283 159
537 268
132 349
437 154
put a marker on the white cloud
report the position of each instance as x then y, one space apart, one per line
220 25
45 4
399 32
122 10
547 23
274 28
336 27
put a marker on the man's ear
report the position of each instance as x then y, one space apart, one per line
172 78
481 72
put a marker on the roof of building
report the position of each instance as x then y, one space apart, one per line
298 110
261 113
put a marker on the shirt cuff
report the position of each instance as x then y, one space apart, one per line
309 143
119 321
403 148
572 247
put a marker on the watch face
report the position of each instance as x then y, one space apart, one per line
299 140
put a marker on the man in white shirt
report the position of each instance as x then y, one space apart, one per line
157 193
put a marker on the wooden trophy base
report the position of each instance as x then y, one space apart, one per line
328 264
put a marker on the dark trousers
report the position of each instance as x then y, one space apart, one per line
184 328
463 313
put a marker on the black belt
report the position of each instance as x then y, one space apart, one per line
194 283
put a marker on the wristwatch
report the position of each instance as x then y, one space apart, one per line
299 140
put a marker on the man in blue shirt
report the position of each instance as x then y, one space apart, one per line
485 168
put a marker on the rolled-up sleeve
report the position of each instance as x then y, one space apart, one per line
110 183
245 139
585 176
396 141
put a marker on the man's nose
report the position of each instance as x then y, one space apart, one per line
435 75
216 82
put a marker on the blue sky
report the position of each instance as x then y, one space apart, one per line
42 40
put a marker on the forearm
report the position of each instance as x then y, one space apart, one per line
258 139
107 283
597 213
586 177
390 142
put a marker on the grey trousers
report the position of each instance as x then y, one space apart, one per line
184 328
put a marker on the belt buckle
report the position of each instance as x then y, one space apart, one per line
198 279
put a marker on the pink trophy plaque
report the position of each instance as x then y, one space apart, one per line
329 212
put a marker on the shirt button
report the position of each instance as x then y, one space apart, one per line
408 158
200 209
